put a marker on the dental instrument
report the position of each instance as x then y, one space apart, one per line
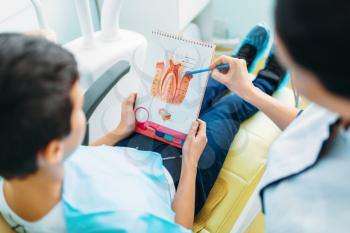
220 67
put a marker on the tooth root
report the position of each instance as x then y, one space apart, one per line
157 78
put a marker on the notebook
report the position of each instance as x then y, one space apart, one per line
169 101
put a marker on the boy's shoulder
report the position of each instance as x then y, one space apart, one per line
105 150
108 155
84 155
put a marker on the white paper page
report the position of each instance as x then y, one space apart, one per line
167 103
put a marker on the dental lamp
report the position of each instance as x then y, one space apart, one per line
96 52
40 14
110 19
85 21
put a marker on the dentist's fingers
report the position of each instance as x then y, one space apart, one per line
220 61
232 61
243 62
236 78
220 77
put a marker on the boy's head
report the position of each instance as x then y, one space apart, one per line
41 118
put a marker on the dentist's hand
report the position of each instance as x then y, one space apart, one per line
127 120
194 145
236 78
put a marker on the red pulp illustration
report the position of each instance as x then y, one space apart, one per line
169 84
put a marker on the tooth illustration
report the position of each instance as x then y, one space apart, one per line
169 84
157 79
166 116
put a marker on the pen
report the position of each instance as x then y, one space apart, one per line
220 67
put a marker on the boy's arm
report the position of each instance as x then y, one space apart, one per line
111 138
184 201
126 126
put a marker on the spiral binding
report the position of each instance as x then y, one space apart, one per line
178 37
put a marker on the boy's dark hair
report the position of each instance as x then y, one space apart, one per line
316 33
36 78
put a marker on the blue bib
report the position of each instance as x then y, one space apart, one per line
117 189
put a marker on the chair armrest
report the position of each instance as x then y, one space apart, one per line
99 89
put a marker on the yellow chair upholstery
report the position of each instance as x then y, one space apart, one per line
241 173
258 225
4 228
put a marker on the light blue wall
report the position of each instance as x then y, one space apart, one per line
64 20
61 14
241 15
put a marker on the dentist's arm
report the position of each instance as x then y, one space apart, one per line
125 127
237 80
184 201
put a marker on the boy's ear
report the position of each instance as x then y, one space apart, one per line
52 153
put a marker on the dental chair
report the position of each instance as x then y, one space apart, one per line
232 205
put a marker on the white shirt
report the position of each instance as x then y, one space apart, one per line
52 222
304 191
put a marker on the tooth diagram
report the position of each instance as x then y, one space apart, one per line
169 84
166 116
